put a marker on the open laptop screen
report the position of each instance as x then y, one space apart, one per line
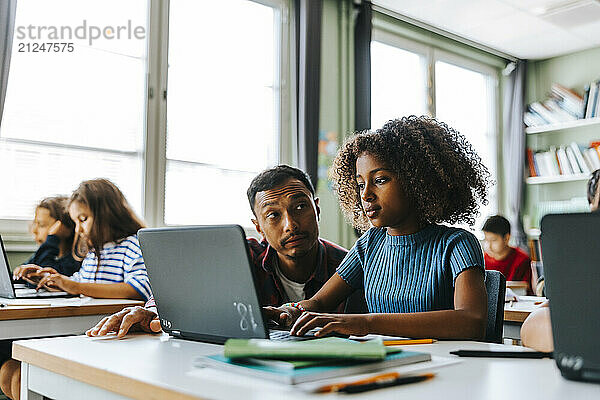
6 287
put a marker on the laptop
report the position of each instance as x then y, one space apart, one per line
203 283
11 290
571 254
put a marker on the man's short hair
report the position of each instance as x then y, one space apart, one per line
497 224
273 177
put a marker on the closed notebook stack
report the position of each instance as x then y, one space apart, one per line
306 361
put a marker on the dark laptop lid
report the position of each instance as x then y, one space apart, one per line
202 282
571 256
6 287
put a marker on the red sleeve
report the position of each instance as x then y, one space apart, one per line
523 270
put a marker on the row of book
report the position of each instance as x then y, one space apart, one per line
564 105
564 160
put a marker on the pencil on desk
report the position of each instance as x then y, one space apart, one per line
337 386
407 341
25 305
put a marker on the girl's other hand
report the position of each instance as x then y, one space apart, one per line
58 282
348 324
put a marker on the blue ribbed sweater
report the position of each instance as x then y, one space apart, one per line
411 273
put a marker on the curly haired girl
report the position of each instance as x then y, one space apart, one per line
420 278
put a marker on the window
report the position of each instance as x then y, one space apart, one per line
398 81
409 78
223 114
100 111
465 100
77 115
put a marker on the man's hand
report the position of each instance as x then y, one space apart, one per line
283 315
348 324
128 319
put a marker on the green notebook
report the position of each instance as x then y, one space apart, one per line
328 348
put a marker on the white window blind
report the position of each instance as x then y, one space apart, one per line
77 115
223 111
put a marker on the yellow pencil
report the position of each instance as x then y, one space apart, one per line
408 341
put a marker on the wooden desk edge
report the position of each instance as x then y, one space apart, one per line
12 313
122 385
515 315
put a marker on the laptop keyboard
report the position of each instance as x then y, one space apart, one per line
280 335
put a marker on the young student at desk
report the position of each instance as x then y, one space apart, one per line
536 331
291 263
54 231
512 262
113 267
421 278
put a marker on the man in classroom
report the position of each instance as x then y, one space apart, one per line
290 263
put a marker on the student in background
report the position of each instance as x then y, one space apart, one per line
291 263
54 231
514 264
421 278
113 267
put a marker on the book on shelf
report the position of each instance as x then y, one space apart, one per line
591 103
295 372
564 105
566 160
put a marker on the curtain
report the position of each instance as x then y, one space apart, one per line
7 26
513 149
362 65
308 45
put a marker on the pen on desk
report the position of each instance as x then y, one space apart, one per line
383 383
25 305
501 354
408 341
337 386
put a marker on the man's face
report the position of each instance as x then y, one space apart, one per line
287 217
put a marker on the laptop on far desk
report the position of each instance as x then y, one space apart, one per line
571 254
203 283
11 290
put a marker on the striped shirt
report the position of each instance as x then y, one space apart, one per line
411 273
119 262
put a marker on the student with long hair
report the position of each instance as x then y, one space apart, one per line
112 268
420 278
54 231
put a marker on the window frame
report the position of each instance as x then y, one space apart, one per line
432 52
15 232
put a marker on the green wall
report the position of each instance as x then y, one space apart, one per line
336 119
573 71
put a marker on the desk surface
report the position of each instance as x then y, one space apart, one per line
517 311
56 317
62 307
147 366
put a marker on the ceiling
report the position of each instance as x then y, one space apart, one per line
526 29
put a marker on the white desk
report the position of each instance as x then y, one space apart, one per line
68 316
146 367
516 312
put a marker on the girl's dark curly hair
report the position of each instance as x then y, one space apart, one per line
443 177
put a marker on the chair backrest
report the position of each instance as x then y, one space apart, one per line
495 284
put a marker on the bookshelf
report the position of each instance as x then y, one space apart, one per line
539 180
562 126
558 193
